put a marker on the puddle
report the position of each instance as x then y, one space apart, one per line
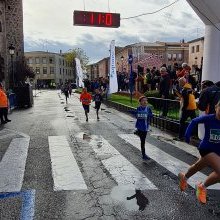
70 116
86 137
108 112
62 102
131 199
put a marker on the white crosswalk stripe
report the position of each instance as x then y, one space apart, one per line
12 165
169 162
66 173
123 172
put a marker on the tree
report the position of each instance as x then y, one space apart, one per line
77 53
22 71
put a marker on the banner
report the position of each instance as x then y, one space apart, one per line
113 82
79 74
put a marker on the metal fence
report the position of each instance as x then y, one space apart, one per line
166 113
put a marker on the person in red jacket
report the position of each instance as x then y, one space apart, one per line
86 99
3 106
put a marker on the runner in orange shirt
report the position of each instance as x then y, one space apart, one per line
86 99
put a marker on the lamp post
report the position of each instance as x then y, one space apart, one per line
122 59
11 49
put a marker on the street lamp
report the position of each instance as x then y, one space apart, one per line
122 59
11 49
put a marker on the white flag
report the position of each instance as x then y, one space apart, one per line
113 82
79 73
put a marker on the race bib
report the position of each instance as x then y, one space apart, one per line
142 115
214 135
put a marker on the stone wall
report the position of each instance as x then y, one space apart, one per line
11 18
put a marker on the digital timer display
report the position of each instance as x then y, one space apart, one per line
96 19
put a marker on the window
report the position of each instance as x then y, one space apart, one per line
60 62
197 48
60 71
180 57
0 26
51 60
44 70
192 49
37 60
63 63
51 70
37 70
30 61
174 57
44 60
169 56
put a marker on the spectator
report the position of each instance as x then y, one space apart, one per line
186 69
3 106
187 106
164 89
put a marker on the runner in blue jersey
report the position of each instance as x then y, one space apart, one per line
209 150
143 114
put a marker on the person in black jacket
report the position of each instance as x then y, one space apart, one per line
208 98
164 89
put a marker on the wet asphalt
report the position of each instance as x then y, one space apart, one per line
104 198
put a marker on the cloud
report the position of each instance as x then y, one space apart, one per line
50 26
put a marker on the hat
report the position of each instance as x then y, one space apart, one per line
163 69
184 65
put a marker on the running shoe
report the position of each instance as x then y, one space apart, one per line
182 181
201 193
145 157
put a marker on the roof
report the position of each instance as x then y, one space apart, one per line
195 40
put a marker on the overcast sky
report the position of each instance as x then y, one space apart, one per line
48 25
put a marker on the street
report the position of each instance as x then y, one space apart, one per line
55 165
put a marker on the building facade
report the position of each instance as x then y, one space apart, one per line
196 49
11 33
148 55
51 69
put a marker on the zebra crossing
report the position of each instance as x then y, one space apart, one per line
66 173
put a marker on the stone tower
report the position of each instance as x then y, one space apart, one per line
11 33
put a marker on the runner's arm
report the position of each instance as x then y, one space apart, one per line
192 124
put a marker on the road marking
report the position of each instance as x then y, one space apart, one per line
181 145
7 136
171 163
12 166
28 202
66 173
124 172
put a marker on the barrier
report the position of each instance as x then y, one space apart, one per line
12 101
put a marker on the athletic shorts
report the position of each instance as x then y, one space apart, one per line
86 108
97 105
203 153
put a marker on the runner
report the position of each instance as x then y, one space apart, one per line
143 114
85 98
210 153
66 92
98 101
